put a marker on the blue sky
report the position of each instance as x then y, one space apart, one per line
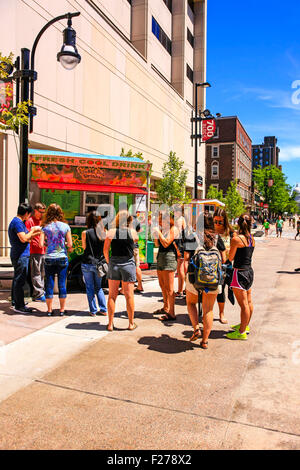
253 62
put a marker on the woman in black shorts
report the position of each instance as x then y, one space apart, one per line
241 251
121 265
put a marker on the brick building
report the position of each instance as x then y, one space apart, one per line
265 154
229 157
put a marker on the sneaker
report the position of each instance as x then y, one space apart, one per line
93 314
237 327
49 314
23 310
237 335
40 299
62 313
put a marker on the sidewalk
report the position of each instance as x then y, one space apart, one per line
69 384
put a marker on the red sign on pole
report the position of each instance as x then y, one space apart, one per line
208 129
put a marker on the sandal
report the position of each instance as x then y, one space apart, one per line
196 335
109 329
138 291
133 328
159 311
204 344
223 320
167 317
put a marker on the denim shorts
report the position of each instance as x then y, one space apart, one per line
121 268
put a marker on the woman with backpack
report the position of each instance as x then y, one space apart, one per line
165 239
224 230
241 251
212 247
92 243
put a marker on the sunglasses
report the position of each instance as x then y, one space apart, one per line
218 222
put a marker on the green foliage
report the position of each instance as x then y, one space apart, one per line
278 196
214 193
171 189
11 118
4 61
130 154
234 202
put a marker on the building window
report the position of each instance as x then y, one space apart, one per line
161 36
190 37
215 152
189 73
215 170
169 4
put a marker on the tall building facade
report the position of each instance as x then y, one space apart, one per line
265 154
229 158
133 88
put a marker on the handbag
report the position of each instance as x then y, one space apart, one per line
101 264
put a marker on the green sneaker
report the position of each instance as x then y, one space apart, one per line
237 335
237 327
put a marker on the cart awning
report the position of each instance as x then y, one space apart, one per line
91 187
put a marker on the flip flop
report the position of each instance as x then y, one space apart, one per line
223 321
167 317
159 311
133 328
138 291
108 329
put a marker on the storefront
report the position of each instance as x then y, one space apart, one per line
80 183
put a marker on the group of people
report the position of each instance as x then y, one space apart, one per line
41 238
279 223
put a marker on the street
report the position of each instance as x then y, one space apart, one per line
69 384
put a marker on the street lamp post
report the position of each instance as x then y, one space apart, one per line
197 133
26 76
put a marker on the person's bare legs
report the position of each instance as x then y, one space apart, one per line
250 303
163 290
62 304
221 312
49 303
128 289
139 278
242 298
191 302
181 275
113 287
208 301
168 279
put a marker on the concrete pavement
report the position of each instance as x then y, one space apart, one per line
69 384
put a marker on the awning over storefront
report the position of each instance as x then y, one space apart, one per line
91 187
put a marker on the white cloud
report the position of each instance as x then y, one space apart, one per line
289 153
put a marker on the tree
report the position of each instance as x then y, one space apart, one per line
130 154
171 189
10 118
234 202
271 183
214 193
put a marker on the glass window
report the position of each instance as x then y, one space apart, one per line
161 36
189 73
190 37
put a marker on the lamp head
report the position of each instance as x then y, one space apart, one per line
68 56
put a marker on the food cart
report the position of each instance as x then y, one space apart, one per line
80 183
200 206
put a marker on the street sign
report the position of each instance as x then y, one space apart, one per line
208 129
200 180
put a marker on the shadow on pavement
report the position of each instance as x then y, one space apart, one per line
167 345
288 272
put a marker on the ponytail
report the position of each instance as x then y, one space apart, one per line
244 224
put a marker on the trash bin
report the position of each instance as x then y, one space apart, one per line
150 251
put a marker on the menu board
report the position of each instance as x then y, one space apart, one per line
69 201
